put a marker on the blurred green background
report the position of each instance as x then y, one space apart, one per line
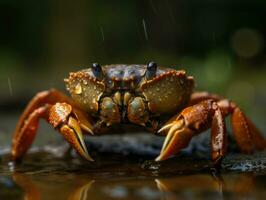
221 43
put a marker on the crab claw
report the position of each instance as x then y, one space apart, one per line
73 134
177 138
63 117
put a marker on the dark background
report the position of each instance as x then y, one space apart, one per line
220 43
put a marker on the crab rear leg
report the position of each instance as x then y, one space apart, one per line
63 116
244 130
210 114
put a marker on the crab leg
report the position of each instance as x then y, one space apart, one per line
243 128
210 114
63 116
24 137
198 97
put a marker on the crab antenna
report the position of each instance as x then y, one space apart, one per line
151 70
97 70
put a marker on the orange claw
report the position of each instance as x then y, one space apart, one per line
72 133
59 116
210 114
192 120
174 142
63 116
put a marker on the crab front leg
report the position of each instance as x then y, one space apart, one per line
191 121
210 114
60 112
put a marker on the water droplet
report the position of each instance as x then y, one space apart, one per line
157 89
95 87
78 89
85 82
160 100
11 166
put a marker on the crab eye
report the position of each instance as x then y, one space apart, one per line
151 70
97 70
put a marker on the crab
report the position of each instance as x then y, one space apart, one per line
157 98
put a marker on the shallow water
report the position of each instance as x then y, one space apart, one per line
124 169
43 175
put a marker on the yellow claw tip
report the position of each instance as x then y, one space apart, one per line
89 158
158 158
165 127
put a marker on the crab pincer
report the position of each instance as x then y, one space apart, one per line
62 116
210 114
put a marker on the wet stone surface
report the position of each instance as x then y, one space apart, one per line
124 168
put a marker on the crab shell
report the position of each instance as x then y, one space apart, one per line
166 92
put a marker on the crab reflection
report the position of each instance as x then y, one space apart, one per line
36 190
191 186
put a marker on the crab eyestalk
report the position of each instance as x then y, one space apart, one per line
97 71
151 70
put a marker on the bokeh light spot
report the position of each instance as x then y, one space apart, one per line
247 42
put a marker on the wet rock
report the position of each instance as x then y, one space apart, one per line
244 162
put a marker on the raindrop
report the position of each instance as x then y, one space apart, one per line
102 32
10 87
145 29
